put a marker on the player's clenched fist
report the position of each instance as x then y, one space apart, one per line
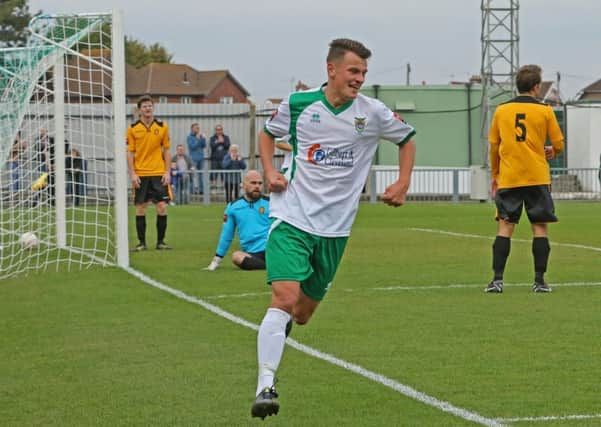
276 182
395 194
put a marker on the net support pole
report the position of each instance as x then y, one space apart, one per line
59 153
118 97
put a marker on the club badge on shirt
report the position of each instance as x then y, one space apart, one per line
360 123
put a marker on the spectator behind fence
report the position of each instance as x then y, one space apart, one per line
41 150
75 176
233 162
175 176
17 155
196 148
250 215
50 166
220 144
184 165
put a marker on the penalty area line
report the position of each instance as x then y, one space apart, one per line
549 418
411 288
468 286
373 376
478 236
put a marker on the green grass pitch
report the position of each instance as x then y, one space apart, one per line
101 348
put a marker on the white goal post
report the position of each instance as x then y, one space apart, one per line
63 170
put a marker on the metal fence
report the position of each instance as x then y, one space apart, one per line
427 184
456 184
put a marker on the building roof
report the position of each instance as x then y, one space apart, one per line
591 92
549 93
175 79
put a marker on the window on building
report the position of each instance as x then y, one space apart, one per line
186 100
226 100
162 99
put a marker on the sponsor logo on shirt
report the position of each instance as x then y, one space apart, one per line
330 156
360 123
261 210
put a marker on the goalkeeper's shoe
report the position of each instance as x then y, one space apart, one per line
162 246
266 403
40 183
494 287
541 287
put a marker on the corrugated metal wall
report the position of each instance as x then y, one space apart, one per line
235 119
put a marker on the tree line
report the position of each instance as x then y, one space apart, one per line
15 16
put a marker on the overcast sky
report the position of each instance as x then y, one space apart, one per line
269 44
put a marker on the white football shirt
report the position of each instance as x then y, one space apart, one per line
331 157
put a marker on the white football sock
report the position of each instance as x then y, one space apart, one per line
270 345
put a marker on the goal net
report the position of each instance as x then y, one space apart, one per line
62 147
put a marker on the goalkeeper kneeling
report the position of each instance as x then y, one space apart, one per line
250 215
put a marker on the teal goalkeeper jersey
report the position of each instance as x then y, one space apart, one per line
332 153
252 221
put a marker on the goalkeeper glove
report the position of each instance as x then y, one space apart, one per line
214 263
40 183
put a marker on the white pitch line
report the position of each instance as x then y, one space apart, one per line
244 295
411 288
550 418
462 285
478 236
373 376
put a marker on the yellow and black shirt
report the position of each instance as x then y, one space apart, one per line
517 136
148 144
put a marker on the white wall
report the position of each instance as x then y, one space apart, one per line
233 117
584 137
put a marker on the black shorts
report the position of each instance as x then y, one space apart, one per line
537 199
152 188
255 261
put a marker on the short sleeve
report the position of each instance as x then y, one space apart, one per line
392 126
278 125
494 136
555 134
166 142
130 140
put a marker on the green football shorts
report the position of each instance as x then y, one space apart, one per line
296 255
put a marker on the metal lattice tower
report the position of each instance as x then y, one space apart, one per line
500 56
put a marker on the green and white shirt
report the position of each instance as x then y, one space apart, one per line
332 150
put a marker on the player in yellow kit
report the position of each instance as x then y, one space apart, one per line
520 173
149 159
